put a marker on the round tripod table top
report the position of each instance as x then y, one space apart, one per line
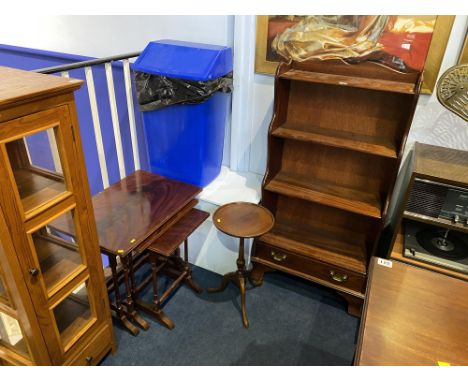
242 219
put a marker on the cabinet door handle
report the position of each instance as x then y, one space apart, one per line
338 277
34 272
278 256
89 359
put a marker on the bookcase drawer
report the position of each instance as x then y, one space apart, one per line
311 269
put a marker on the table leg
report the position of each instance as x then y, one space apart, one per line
241 275
239 278
155 309
245 320
121 314
189 280
127 267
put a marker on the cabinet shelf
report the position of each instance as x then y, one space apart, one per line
343 139
337 247
57 260
37 187
343 80
313 190
73 316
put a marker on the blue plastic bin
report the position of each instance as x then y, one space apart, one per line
185 141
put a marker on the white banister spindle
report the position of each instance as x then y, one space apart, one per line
97 126
27 149
115 119
54 150
53 141
131 114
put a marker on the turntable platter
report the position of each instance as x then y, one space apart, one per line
442 243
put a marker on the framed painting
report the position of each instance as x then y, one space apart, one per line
405 43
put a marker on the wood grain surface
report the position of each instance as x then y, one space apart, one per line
413 316
180 231
441 164
326 193
336 79
346 139
241 219
132 209
17 86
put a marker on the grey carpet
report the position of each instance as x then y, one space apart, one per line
292 322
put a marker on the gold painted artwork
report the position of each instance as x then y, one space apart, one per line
399 42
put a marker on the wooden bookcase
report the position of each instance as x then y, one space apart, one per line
334 147
54 308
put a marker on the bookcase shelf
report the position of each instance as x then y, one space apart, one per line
344 139
325 193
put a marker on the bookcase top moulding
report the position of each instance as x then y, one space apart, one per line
365 75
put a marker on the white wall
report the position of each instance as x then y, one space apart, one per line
101 36
432 123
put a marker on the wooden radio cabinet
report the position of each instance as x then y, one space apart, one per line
54 308
334 147
432 190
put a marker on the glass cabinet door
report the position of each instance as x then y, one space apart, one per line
57 255
62 272
74 315
37 161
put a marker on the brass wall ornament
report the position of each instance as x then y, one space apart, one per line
452 90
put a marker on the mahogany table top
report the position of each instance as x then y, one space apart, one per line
179 232
132 209
242 219
413 316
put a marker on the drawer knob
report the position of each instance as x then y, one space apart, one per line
338 277
34 272
278 256
89 359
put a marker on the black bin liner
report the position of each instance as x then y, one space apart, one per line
155 92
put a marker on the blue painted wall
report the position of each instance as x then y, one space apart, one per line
29 59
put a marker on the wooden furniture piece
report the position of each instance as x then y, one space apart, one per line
164 252
130 215
426 176
334 147
412 316
242 220
54 308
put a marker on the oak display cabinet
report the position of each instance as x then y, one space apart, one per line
54 308
334 147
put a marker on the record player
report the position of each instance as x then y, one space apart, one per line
436 245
